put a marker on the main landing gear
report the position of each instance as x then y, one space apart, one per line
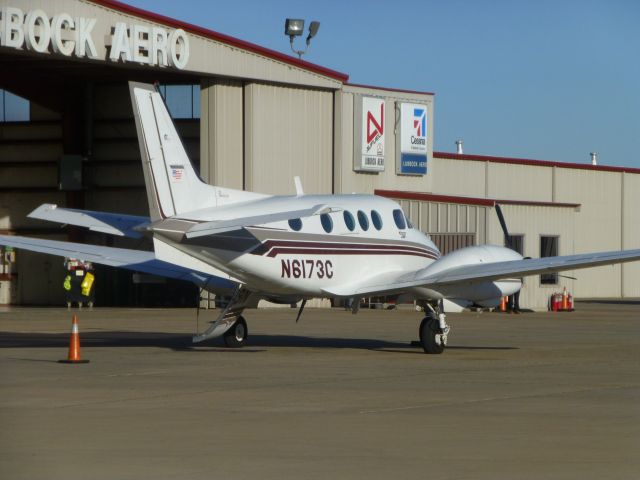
434 329
236 336
230 324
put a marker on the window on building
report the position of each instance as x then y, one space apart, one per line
183 101
13 108
349 220
548 248
517 243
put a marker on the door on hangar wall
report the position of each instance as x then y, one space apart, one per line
288 132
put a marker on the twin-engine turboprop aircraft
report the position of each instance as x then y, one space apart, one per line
288 248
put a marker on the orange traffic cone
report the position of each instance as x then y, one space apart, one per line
503 304
74 345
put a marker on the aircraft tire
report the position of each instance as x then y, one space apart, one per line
236 336
428 330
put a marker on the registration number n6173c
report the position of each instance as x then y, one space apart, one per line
306 268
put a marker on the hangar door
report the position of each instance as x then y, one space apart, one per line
288 132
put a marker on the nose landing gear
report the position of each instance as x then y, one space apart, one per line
434 330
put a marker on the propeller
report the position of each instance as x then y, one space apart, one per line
503 224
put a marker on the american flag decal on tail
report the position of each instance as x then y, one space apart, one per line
177 173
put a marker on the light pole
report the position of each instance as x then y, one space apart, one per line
293 27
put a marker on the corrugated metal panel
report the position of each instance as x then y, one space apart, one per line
288 132
631 233
221 133
598 226
517 182
457 177
532 222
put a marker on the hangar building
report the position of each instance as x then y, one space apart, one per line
254 118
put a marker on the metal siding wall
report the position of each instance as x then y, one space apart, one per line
598 225
288 132
458 177
221 133
508 181
532 222
631 233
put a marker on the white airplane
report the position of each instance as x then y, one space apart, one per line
289 248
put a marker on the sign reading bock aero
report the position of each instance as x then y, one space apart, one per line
74 36
369 135
413 139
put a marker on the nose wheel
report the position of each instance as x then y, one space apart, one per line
236 336
433 333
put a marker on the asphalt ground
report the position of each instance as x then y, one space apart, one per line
531 396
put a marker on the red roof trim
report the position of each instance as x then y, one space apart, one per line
236 42
486 202
388 89
535 163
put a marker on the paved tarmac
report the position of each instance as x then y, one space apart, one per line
531 396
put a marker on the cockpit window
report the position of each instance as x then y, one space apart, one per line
398 217
363 220
349 221
327 223
376 219
409 224
295 224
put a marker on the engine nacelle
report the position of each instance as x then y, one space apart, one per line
482 292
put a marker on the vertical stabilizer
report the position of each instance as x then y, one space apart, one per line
173 187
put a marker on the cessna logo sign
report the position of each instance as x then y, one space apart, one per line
413 139
76 36
369 154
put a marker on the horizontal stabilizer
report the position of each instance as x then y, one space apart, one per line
136 260
220 226
111 223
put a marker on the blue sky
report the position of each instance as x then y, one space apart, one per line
550 80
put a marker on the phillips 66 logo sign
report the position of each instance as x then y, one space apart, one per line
369 154
413 139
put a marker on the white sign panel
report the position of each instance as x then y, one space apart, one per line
371 154
70 36
413 139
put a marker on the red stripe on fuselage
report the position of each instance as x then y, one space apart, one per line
276 247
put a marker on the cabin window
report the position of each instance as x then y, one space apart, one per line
363 220
349 221
376 219
398 217
327 223
295 224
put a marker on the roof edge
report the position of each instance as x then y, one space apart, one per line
388 89
485 202
536 163
221 37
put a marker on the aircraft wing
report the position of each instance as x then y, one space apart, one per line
111 223
136 260
220 226
431 277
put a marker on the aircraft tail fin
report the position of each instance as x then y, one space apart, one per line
173 186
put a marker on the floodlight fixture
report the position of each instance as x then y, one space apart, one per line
293 27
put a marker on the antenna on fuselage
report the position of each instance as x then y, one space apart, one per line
298 183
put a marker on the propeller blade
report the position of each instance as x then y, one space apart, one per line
503 224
